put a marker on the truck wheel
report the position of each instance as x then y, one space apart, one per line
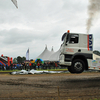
78 66
70 70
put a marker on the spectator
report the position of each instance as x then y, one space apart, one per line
2 67
21 66
30 65
55 64
38 64
25 66
49 65
34 66
11 66
44 65
6 67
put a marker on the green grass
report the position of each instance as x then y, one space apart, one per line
53 69
36 69
8 70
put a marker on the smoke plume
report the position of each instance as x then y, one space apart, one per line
93 9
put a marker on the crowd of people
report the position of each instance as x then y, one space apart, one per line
48 65
27 66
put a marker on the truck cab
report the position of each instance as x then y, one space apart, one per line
76 51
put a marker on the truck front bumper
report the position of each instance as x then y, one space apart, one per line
63 62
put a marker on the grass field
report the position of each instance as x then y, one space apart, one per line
37 70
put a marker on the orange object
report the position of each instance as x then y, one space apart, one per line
68 31
2 55
29 64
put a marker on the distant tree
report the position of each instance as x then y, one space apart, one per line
96 52
23 59
15 60
19 59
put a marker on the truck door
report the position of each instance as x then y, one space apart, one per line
73 45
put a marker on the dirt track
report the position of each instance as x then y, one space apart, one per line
85 86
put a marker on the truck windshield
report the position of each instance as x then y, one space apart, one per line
65 37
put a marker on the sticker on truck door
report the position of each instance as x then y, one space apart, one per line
89 42
69 50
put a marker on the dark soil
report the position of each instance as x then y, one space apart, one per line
85 86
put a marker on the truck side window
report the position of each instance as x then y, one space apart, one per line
73 38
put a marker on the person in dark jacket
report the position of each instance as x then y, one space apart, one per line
38 64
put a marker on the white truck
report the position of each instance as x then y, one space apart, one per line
76 52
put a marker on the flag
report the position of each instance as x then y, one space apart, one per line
15 3
27 55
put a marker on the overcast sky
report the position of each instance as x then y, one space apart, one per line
37 23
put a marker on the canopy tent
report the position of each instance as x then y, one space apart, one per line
45 55
55 56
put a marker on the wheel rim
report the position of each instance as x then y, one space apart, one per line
78 66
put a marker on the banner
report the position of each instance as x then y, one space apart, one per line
27 55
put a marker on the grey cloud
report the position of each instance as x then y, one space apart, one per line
16 36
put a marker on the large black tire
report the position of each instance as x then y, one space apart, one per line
78 66
70 69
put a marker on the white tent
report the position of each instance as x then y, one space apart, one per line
55 56
45 55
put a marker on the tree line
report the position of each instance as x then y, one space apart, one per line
19 59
